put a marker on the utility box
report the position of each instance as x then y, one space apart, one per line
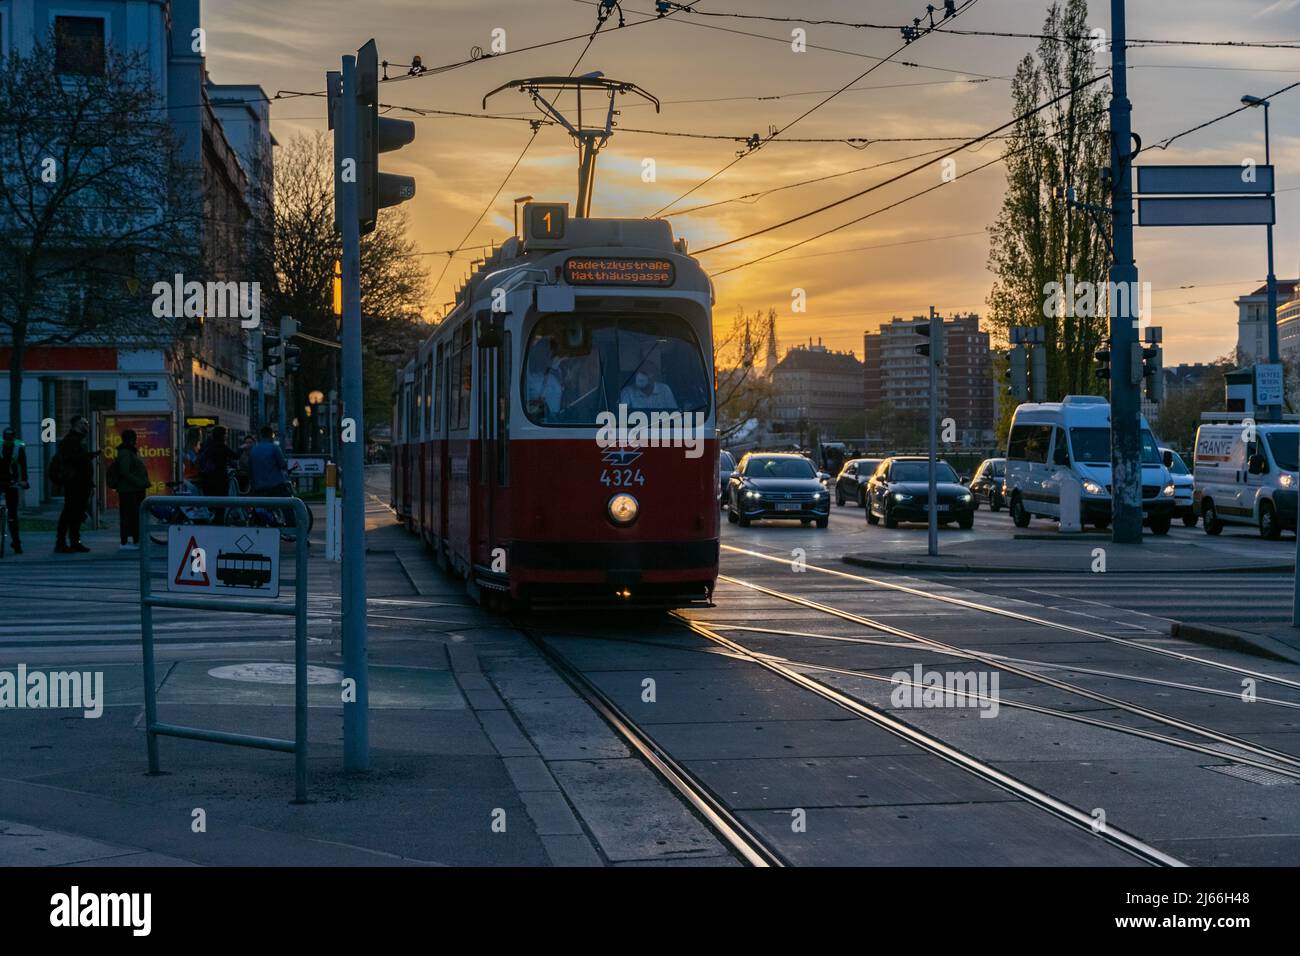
1071 499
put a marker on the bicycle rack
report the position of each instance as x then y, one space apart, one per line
298 610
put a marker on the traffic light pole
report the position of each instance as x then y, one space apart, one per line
1125 393
356 717
932 492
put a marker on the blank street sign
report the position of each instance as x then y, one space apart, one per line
1207 211
1202 180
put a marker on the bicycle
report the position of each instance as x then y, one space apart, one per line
269 517
179 514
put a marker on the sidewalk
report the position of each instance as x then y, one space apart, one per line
481 754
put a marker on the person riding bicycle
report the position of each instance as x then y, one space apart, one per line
13 476
268 470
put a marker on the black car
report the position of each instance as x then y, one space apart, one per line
773 485
987 484
851 483
726 468
899 491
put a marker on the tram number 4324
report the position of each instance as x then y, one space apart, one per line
621 477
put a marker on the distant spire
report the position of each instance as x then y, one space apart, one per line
770 363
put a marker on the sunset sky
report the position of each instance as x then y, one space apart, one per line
931 251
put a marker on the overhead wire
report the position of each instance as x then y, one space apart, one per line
806 113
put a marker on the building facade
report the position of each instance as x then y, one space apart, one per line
898 379
815 387
1252 322
198 368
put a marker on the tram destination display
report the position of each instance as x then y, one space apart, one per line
612 270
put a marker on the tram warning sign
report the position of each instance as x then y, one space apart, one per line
213 559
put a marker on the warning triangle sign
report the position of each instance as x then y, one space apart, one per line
186 574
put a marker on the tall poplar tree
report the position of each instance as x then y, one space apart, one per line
1036 240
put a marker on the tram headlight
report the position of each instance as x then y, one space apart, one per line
623 509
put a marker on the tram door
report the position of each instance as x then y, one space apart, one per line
443 446
493 376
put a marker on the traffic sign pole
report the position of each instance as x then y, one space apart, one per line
932 492
356 730
1125 402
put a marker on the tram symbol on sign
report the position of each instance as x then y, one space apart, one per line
243 561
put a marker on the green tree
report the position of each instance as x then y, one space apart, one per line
1036 240
1180 412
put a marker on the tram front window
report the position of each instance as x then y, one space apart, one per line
579 366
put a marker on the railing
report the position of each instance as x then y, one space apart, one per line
298 610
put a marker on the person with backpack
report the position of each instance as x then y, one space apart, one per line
13 476
129 477
73 467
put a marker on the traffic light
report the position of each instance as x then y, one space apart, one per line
377 134
270 349
932 332
1102 355
1017 373
1153 366
292 353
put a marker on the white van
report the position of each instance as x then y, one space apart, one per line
1072 436
1245 473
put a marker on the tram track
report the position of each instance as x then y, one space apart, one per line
739 838
1024 618
747 845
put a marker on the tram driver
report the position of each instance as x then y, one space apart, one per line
646 392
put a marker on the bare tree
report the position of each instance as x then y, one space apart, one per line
742 394
90 210
306 248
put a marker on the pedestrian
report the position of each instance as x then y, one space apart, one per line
243 476
73 467
13 476
129 477
215 459
190 459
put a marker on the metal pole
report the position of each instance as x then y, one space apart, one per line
356 746
932 491
146 643
1274 411
1125 400
281 415
300 654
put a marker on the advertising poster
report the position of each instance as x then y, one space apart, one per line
153 440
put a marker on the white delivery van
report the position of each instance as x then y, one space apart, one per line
1072 436
1245 473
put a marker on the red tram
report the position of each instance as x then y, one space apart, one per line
554 439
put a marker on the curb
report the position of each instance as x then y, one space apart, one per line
884 564
1226 638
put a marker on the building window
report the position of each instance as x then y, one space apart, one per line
79 45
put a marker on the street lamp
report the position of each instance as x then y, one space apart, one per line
1275 412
